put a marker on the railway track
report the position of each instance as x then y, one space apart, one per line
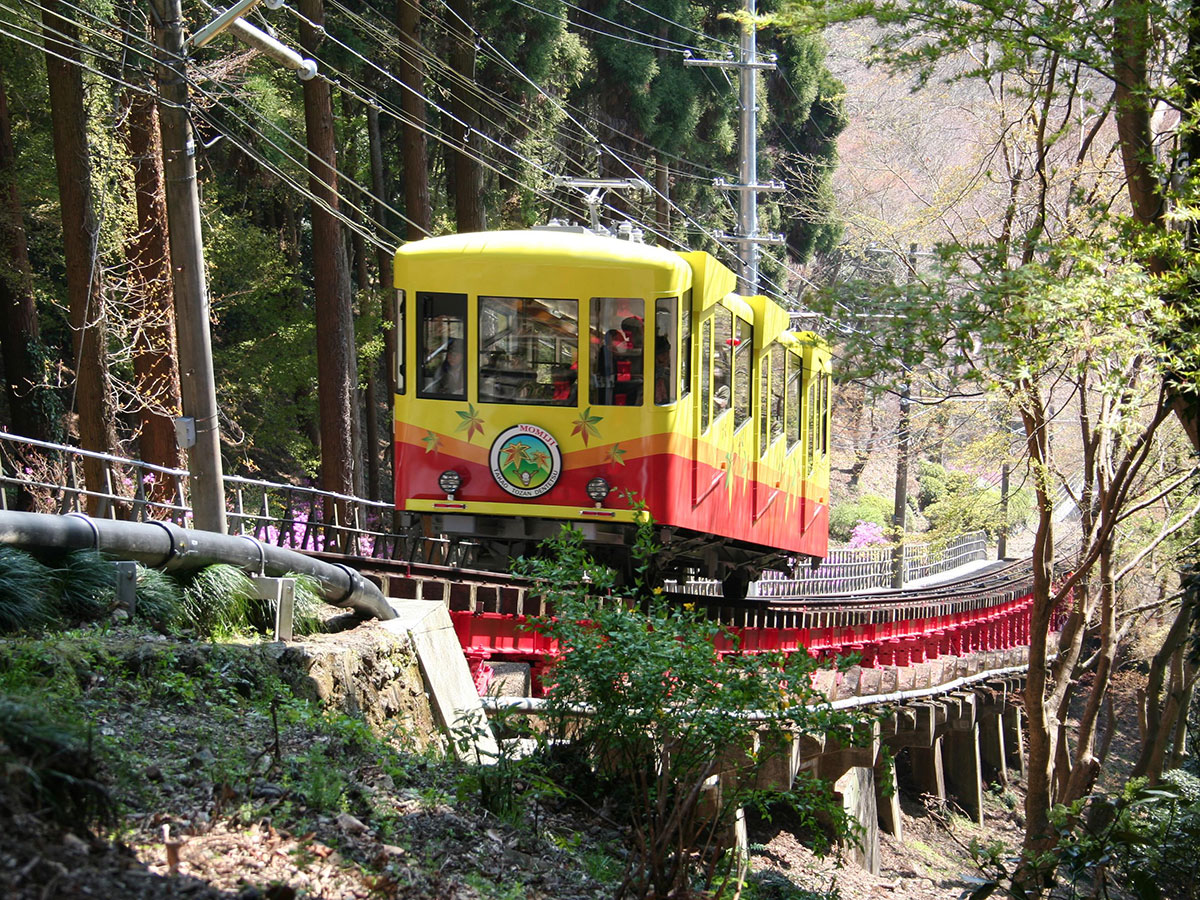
985 611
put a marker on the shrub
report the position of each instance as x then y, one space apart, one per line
159 599
868 534
666 713
49 766
868 508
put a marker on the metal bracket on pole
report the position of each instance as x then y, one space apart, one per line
281 592
231 19
218 25
127 586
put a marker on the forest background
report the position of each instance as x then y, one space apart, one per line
1019 240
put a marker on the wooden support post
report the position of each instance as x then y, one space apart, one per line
857 790
962 770
991 748
888 807
928 774
1014 739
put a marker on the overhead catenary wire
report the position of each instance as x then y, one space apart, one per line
368 97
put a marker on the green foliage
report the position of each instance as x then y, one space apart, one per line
956 503
1140 843
865 508
25 601
664 711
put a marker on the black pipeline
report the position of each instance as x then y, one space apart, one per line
164 545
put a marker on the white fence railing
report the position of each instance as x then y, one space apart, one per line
853 569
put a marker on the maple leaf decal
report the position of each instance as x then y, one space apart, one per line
616 455
585 425
432 442
470 421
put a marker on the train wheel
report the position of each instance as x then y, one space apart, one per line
735 585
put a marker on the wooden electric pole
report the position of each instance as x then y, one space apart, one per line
199 429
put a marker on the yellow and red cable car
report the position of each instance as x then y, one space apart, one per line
556 375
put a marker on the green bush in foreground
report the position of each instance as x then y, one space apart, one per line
665 717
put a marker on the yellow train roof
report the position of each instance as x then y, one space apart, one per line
576 244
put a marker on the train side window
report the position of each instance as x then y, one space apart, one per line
666 350
777 392
812 398
528 350
795 410
706 371
442 345
685 344
722 360
826 384
764 408
401 337
743 366
617 358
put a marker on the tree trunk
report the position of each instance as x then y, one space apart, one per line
1086 764
468 171
331 276
97 431
1152 716
155 371
413 148
1043 730
662 198
19 332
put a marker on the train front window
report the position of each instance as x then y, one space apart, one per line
528 351
442 345
618 331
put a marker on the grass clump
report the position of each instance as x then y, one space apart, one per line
49 767
25 591
85 586
159 599
216 601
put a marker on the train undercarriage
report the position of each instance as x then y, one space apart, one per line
490 543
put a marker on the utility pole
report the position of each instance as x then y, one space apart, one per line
747 187
903 432
199 429
900 509
1002 541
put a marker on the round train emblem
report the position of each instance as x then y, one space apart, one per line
525 460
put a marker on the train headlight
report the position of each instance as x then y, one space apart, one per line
598 489
450 481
